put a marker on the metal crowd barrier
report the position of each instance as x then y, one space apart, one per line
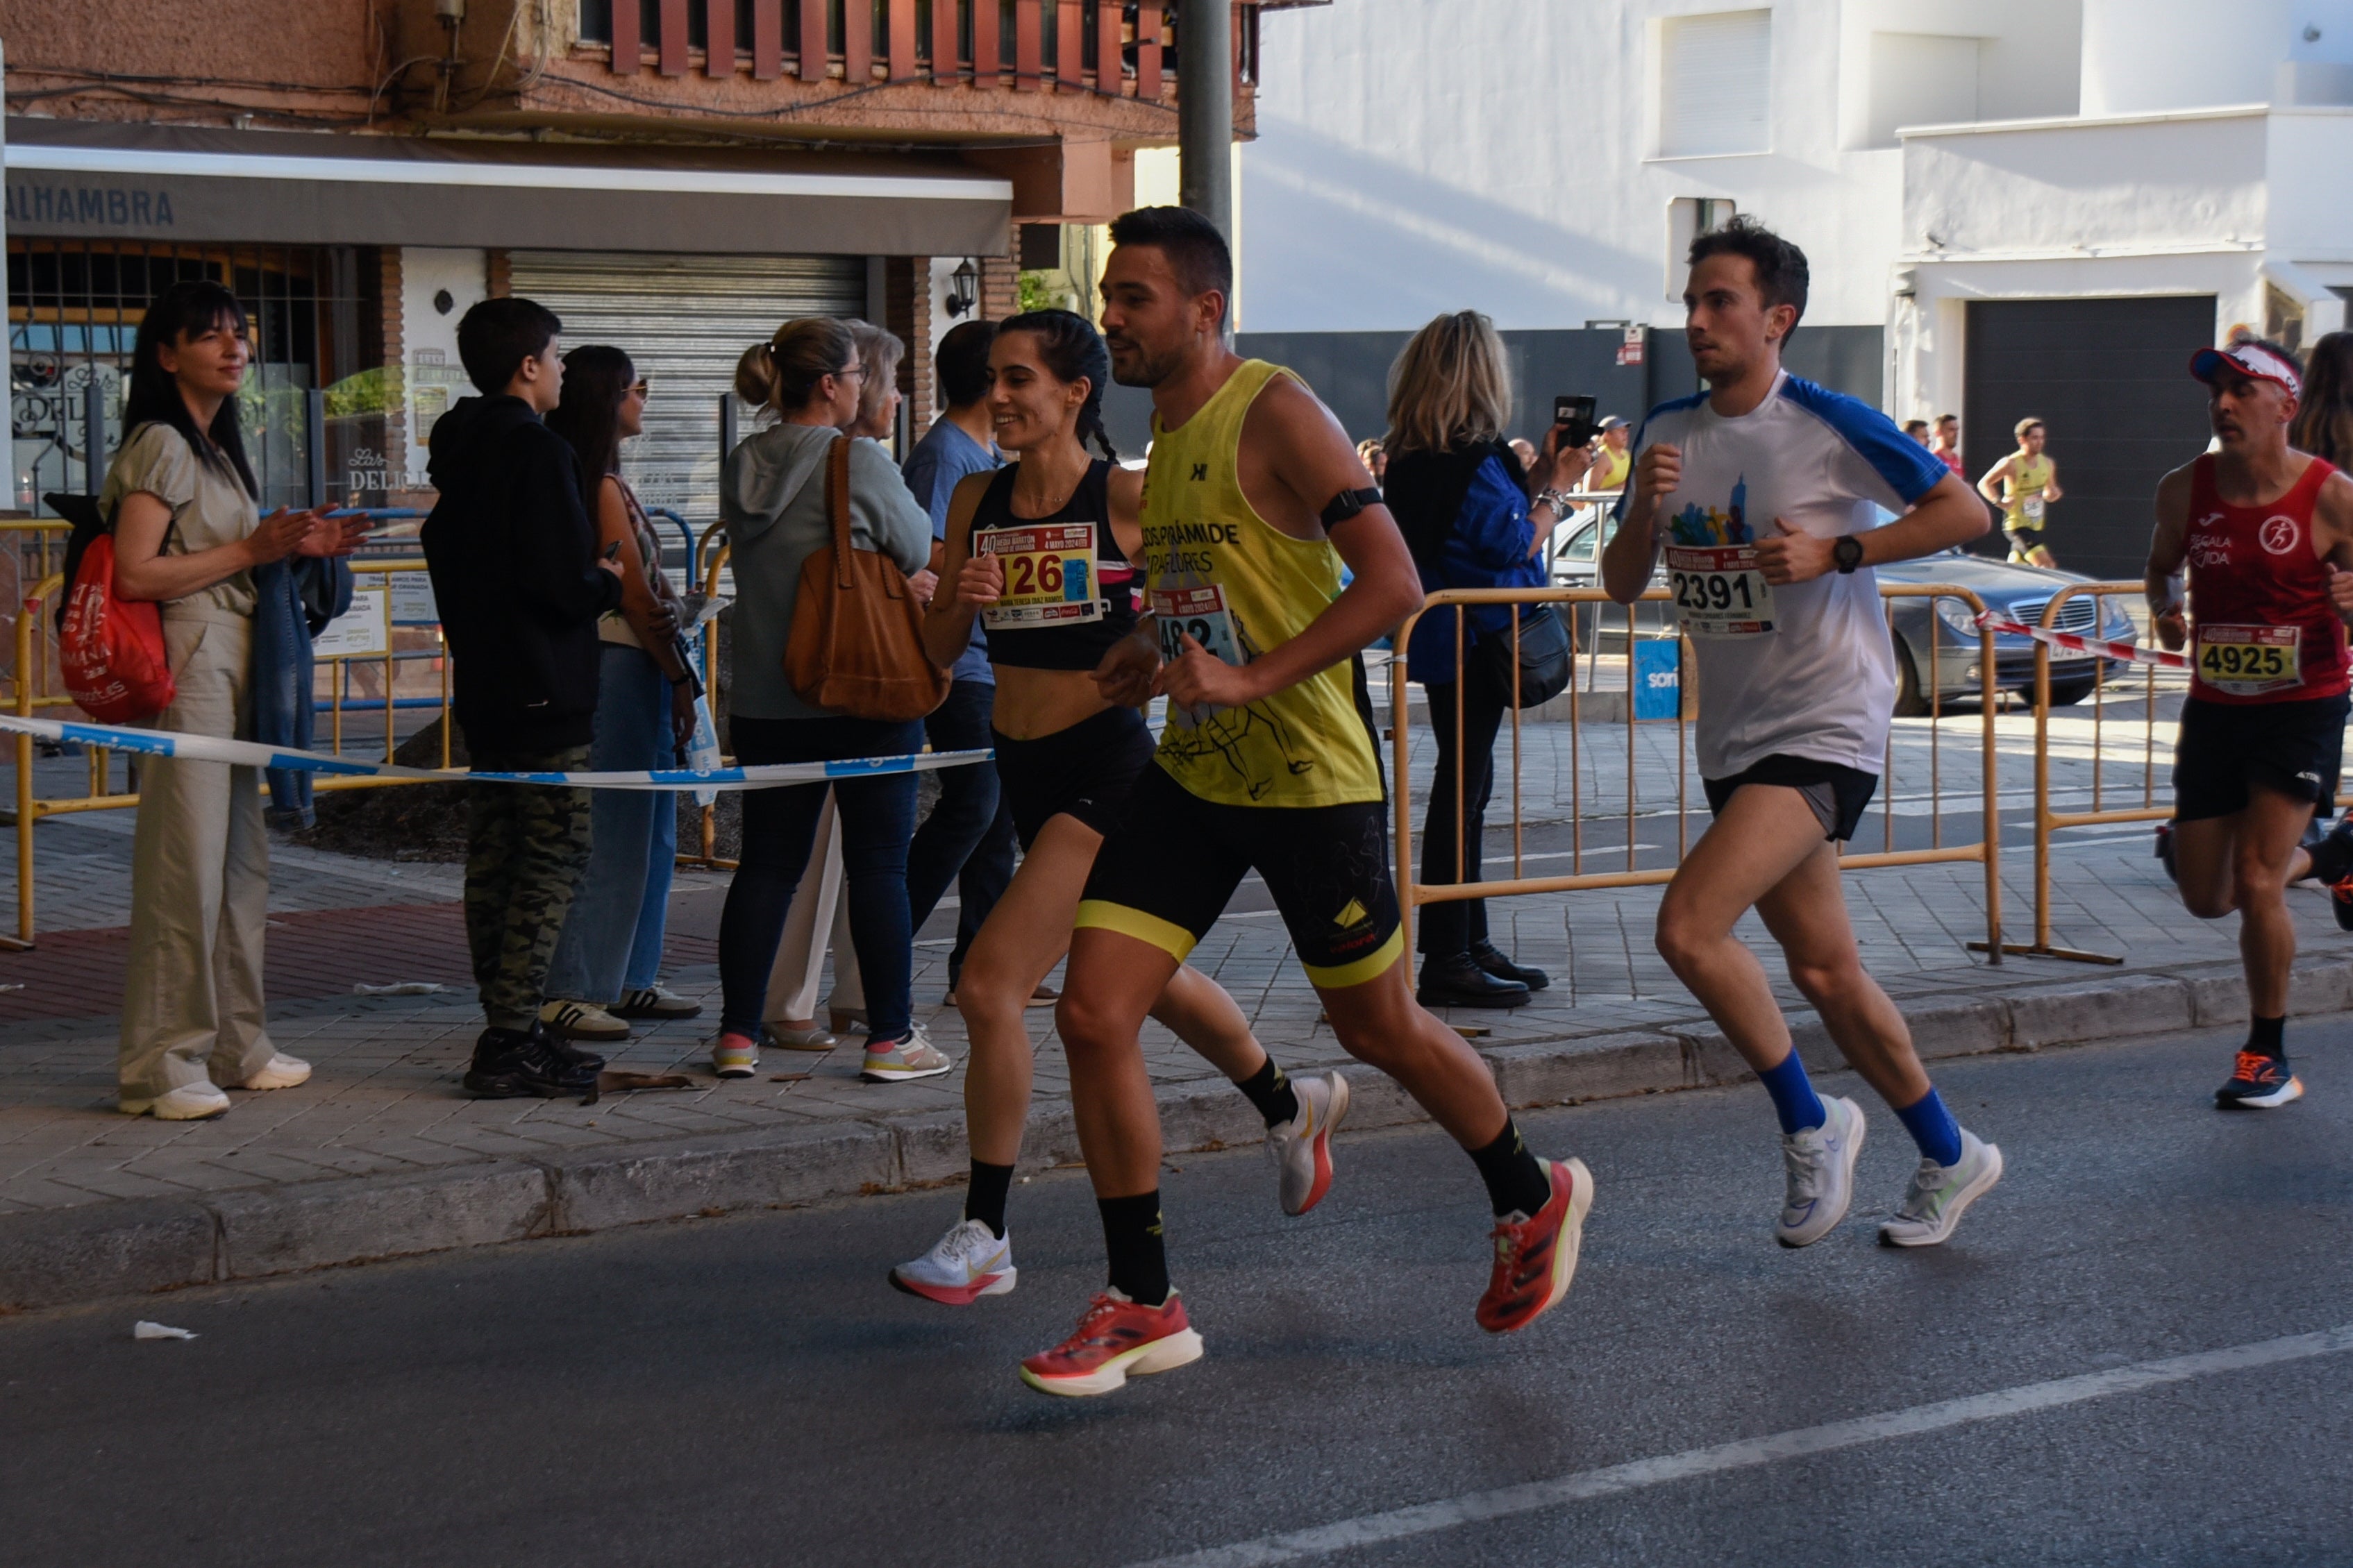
1412 892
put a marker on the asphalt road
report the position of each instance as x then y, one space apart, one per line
747 1390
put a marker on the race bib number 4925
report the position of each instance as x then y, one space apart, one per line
1720 591
1049 575
2249 661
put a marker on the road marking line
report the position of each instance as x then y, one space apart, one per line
1471 1507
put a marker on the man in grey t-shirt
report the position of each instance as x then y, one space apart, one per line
968 838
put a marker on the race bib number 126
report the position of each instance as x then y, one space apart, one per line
1049 575
1720 591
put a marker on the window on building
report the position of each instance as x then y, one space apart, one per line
1715 84
1921 79
1688 217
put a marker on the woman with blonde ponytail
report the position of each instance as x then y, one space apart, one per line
772 496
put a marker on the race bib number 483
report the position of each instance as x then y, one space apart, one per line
1049 575
2249 662
1200 614
1720 591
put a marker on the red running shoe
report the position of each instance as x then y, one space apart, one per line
1114 1338
1535 1258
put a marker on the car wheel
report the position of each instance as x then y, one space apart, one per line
2067 693
1910 702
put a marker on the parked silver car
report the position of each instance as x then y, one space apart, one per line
2018 593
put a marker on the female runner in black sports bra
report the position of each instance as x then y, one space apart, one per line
1040 550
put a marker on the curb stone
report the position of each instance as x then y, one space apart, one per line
130 1246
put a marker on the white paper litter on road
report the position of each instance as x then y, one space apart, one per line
143 1330
401 988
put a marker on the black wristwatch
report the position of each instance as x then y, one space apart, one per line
1847 553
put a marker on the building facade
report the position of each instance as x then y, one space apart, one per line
2011 206
675 178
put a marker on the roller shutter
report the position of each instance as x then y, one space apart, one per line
684 321
2111 379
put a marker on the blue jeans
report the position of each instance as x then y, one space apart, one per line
612 942
968 838
878 819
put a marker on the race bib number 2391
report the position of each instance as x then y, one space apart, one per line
1720 591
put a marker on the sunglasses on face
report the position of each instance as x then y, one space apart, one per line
642 386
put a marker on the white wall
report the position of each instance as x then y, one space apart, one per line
2145 55
427 331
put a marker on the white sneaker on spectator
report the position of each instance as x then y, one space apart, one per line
189 1102
897 1061
581 1021
282 1072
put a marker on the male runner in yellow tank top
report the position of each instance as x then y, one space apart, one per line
2029 483
1253 502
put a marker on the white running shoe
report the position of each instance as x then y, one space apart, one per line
189 1102
1940 1194
282 1071
963 1266
898 1061
1300 1149
1821 1161
735 1055
581 1021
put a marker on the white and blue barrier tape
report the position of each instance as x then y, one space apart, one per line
246 753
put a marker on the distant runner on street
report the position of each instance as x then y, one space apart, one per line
1764 492
2266 532
2023 485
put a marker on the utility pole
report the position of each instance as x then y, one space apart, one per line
1205 111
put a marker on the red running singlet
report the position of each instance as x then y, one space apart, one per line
2263 629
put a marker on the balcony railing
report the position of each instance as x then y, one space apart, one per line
1101 46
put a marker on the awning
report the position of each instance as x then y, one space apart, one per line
159 183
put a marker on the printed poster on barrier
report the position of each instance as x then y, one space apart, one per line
1658 678
363 631
412 600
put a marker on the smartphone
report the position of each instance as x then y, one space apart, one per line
1575 415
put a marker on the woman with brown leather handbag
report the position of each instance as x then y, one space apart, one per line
822 532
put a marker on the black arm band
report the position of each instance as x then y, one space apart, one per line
1348 504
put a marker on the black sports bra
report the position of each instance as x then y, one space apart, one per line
1069 588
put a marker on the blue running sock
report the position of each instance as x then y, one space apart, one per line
1933 1128
1794 1099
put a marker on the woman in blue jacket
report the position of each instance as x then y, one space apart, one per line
1463 499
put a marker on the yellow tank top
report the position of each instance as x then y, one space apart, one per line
2025 483
1241 587
1609 470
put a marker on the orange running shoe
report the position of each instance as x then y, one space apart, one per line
1537 1257
1115 1337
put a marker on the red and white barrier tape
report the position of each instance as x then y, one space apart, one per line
2132 652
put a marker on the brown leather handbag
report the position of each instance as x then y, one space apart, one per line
857 646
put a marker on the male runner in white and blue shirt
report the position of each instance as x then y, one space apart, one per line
1764 493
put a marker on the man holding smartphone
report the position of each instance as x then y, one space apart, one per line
1764 492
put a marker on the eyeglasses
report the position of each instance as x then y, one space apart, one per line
644 385
853 370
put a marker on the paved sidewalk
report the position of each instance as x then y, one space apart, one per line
384 1155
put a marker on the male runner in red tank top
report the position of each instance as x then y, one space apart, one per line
2264 530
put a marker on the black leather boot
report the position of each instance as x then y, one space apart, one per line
1455 980
1490 957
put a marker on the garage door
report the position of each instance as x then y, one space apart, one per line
685 320
2111 378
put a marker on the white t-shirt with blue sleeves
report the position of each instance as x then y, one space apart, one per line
1820 683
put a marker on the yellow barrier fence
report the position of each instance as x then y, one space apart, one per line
1985 850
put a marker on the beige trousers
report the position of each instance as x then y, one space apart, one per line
817 906
192 1000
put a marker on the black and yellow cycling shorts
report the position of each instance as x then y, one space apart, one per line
1170 870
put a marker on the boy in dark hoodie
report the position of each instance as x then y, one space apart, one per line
515 572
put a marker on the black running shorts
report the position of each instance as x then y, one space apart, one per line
2295 748
1084 772
1838 794
1168 872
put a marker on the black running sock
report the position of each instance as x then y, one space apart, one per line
1270 1091
1515 1179
2332 856
985 1199
1139 1262
2267 1036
